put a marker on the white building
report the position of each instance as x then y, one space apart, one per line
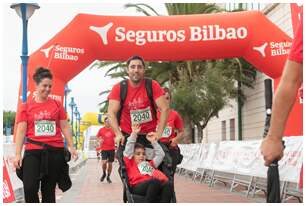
253 112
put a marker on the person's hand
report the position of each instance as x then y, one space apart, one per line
271 149
74 153
119 139
17 161
136 128
152 137
173 143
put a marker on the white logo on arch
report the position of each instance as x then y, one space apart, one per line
261 49
47 50
102 31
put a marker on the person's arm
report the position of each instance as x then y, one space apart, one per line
159 154
20 134
179 136
113 109
66 130
130 144
292 78
164 109
179 126
284 98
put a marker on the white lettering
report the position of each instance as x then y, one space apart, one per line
204 33
195 33
140 38
181 35
242 32
120 34
231 33
218 31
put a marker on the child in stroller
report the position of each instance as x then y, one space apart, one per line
142 180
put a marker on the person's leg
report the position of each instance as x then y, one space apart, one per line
111 156
166 193
31 170
48 183
150 189
103 162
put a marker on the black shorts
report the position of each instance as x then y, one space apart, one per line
108 155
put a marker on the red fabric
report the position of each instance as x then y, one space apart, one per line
157 174
8 192
136 98
49 110
134 175
296 52
108 137
174 121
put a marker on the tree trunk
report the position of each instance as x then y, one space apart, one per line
187 137
200 132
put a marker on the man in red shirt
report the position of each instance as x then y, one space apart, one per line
107 145
291 80
137 108
173 131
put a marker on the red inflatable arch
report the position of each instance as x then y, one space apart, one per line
165 38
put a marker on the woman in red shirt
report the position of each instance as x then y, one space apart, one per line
42 119
173 131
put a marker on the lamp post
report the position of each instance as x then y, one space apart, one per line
72 105
78 118
67 91
25 11
76 112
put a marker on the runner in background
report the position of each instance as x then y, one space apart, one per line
107 146
173 131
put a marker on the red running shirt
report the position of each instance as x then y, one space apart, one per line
108 137
135 177
296 52
137 106
174 122
43 122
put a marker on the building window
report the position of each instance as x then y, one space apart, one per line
232 129
223 125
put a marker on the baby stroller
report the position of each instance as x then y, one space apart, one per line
165 167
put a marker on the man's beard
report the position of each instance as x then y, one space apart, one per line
136 81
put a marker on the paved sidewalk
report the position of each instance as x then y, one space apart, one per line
87 188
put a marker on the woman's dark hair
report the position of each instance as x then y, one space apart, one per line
138 146
41 73
135 58
167 90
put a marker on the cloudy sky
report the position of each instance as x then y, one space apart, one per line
43 25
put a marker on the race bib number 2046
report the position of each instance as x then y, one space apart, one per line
141 116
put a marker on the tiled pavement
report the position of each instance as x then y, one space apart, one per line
87 188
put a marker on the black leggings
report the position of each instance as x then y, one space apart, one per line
153 191
31 172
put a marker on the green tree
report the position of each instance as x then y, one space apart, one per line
8 120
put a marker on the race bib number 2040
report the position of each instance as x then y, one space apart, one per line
45 128
141 116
